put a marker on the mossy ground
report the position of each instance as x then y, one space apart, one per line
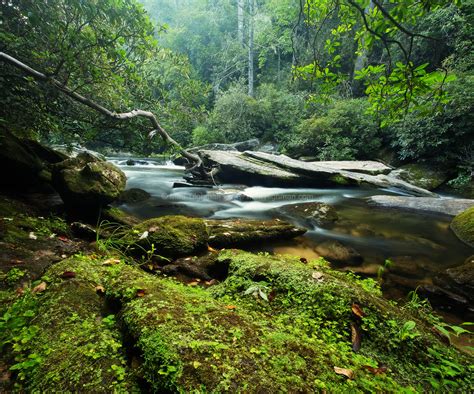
274 325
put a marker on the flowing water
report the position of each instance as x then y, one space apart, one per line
423 241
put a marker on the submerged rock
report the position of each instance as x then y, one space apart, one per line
459 280
88 182
132 196
338 253
314 213
239 232
463 226
448 206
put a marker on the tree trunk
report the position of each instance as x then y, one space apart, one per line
251 47
240 21
157 129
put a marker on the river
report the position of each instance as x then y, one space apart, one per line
423 242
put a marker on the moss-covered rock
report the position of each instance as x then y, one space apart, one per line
27 162
459 280
422 175
87 182
168 236
60 337
463 226
238 232
274 325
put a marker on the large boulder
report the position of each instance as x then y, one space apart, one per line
264 169
28 162
87 181
463 226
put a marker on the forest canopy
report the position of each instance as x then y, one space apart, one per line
332 79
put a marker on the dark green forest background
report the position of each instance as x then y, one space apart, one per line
331 79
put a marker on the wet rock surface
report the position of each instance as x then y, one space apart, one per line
259 168
338 253
310 213
448 206
133 196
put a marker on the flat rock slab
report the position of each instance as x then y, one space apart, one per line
451 206
259 168
238 232
365 167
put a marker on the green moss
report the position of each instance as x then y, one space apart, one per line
463 226
423 176
232 233
169 236
339 179
61 340
231 339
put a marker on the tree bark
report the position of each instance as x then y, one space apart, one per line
251 47
240 21
157 128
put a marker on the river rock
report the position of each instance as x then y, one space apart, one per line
133 195
459 280
463 226
448 206
234 167
338 253
26 163
87 182
239 232
168 236
421 175
259 168
409 266
314 213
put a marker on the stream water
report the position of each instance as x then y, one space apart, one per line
422 242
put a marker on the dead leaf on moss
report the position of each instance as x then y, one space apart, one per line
376 371
141 293
193 283
100 290
111 261
230 307
68 275
357 310
38 289
348 373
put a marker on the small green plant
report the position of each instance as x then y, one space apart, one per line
408 331
258 290
381 270
14 275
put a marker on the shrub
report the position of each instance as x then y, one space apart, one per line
345 132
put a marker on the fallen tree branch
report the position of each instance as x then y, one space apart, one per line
157 128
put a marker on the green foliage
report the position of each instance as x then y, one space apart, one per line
345 132
271 115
